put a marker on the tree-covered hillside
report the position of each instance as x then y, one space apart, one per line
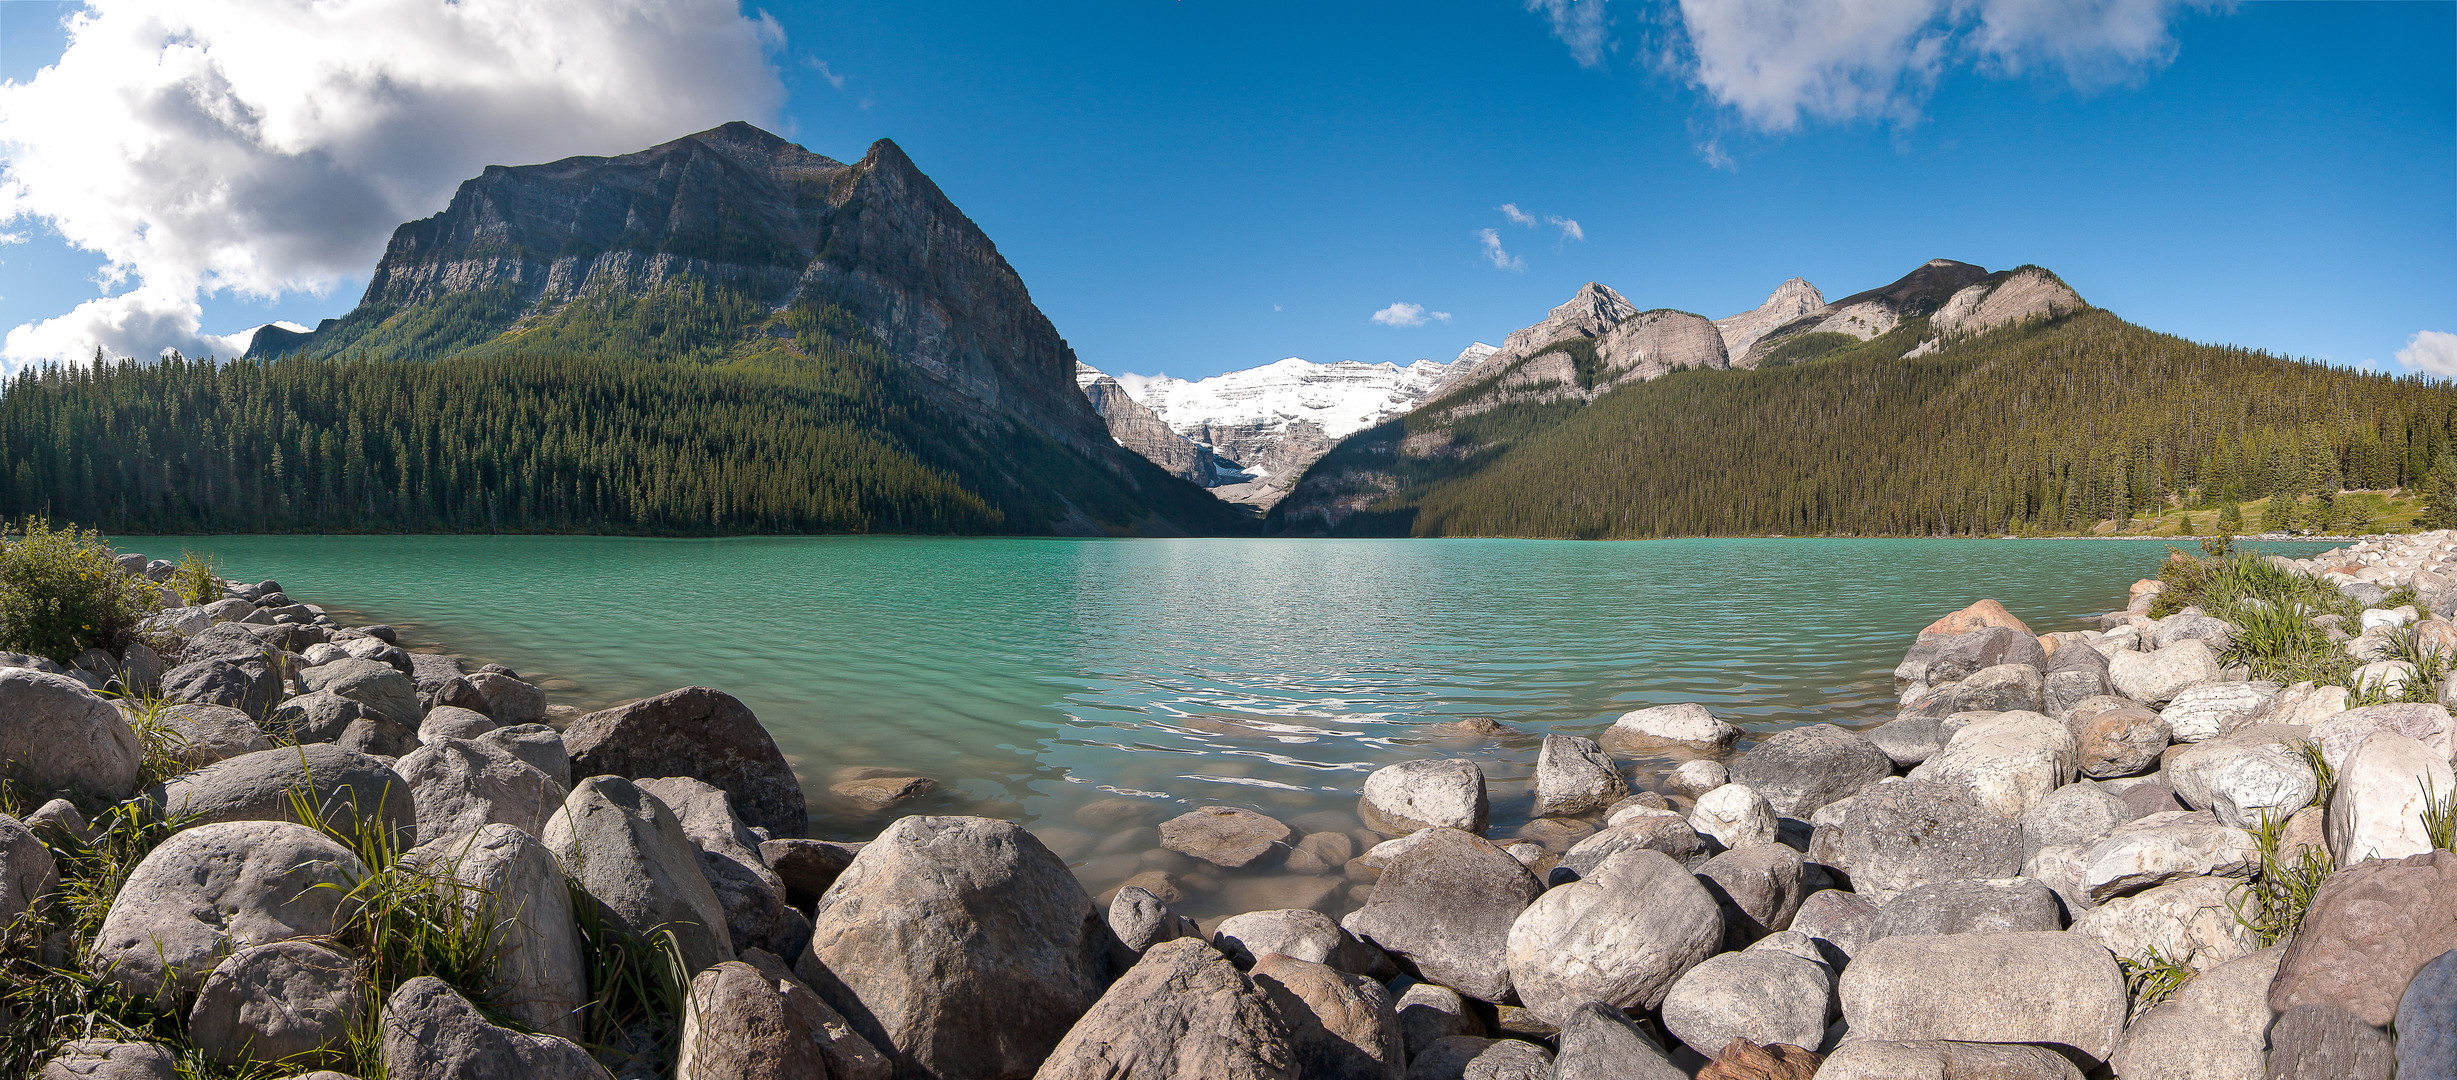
2047 427
622 415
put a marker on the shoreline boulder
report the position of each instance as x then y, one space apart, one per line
707 735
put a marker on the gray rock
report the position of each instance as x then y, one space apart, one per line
1183 1011
1665 832
62 739
2163 848
1908 740
2053 988
214 888
2184 626
704 734
538 745
2207 712
453 722
2009 761
509 700
629 853
2147 799
1411 795
754 1020
1837 920
1431 1012
2326 1042
1698 776
1735 816
511 882
1757 888
375 685
962 947
230 642
349 791
199 735
1575 776
60 825
1598 1043
1446 906
1686 724
28 872
1620 935
2190 922
1962 655
2251 783
319 717
2003 688
1303 933
1908 834
2155 678
752 895
377 650
2340 733
107 1059
2072 815
807 867
461 786
1465 1057
1226 836
1760 995
292 1002
1872 1059
1977 906
2121 739
432 1033
1799 770
1338 1024
1140 920
2213 1028
2427 1020
2378 807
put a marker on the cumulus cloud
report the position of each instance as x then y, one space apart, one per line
1775 62
1493 253
204 146
2432 352
1583 25
1403 313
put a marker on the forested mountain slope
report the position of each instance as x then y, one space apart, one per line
2046 424
725 333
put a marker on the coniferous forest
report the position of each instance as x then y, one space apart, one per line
2048 428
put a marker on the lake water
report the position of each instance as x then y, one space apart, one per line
1032 678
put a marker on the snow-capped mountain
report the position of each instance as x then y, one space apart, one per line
1264 425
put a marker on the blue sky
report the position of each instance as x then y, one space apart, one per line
1192 186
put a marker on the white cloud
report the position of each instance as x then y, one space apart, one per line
1516 215
2430 351
821 66
1777 61
1569 228
267 148
1583 25
1403 313
1493 253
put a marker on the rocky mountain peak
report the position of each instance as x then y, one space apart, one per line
1792 300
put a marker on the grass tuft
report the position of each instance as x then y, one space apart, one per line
2153 978
2273 903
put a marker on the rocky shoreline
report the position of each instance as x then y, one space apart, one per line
2098 852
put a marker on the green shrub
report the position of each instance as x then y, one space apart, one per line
62 592
197 581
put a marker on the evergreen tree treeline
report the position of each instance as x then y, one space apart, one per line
2049 428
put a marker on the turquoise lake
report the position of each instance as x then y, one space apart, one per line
1031 677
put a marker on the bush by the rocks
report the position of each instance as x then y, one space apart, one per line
62 592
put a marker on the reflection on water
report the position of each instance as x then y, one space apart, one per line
1037 678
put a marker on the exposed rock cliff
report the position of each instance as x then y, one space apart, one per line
1587 314
1656 343
1793 299
1141 430
2029 293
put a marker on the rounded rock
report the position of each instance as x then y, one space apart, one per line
1411 795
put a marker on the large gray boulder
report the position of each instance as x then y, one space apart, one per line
1141 920
2155 678
2322 1041
1799 770
629 853
2263 781
1959 657
2003 688
110 1059
2058 989
1183 1012
1908 740
1835 922
350 792
1906 834
2072 676
752 894
1226 836
2215 1027
510 882
2191 922
538 745
375 685
2113 737
2166 847
461 786
1466 1057
701 733
751 1019
62 739
2340 733
1976 906
1575 776
509 700
1761 995
2075 814
1620 935
1445 906
199 735
325 716
213 889
1338 1024
1686 724
1411 795
1666 832
1758 889
1936 1059
1735 816
2369 929
2427 1020
2207 712
1597 1042
292 1002
2009 761
2382 794
433 1033
960 947
28 872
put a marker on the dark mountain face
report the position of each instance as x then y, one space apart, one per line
700 248
1924 290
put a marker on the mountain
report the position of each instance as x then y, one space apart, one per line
1260 427
1794 299
1953 400
849 352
